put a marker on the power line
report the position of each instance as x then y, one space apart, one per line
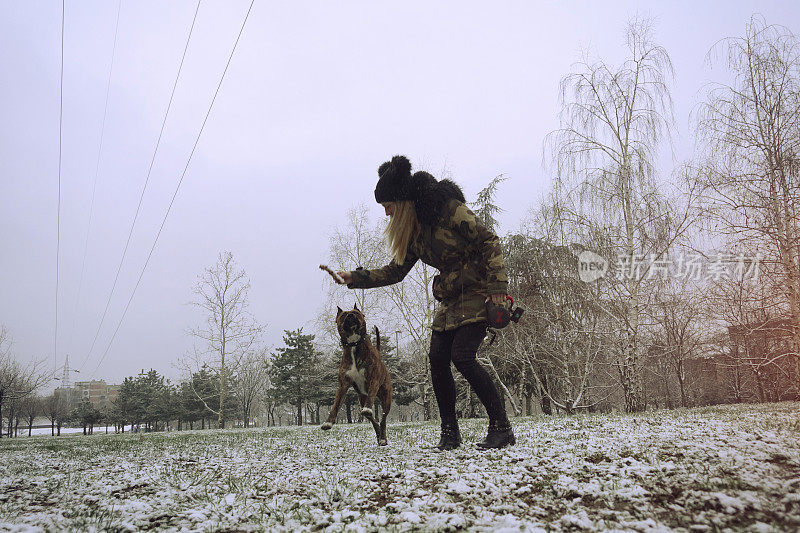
144 188
96 173
177 188
58 208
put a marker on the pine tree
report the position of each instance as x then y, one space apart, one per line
124 404
485 208
292 370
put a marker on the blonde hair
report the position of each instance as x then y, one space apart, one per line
402 229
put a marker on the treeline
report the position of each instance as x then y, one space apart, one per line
291 386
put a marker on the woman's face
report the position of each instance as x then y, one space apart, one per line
388 207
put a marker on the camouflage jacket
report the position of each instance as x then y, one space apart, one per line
469 260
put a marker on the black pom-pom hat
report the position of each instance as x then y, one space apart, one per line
396 183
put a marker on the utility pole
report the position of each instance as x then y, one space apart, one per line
65 375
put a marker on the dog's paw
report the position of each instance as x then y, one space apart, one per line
366 411
383 442
326 426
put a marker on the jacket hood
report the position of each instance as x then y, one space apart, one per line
432 196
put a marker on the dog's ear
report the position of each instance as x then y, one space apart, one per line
338 311
355 306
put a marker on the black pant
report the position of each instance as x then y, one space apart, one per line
461 346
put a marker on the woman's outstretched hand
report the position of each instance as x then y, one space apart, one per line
347 277
497 299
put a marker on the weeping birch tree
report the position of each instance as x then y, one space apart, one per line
613 122
750 131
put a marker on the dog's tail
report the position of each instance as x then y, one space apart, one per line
377 339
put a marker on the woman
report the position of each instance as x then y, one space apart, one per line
429 222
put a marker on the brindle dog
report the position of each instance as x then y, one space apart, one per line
362 368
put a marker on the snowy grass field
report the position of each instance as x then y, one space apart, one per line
732 468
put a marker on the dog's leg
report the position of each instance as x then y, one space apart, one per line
385 396
343 386
369 414
370 400
366 412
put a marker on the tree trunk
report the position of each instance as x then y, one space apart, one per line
426 398
631 386
667 394
223 390
760 384
544 399
681 384
503 387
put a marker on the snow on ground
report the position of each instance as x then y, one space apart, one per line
65 431
732 468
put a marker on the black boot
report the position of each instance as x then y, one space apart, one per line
451 436
499 435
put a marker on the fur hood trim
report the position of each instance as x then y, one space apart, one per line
432 196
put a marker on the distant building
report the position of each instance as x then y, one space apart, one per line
98 392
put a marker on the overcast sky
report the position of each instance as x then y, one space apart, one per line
318 94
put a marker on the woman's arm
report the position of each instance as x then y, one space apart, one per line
391 273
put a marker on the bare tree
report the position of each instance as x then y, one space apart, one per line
756 359
270 397
678 333
31 408
359 243
613 121
17 382
750 130
229 331
251 381
56 407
